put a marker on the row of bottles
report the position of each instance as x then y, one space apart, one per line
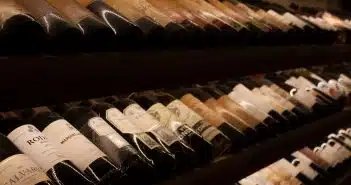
153 135
320 165
81 25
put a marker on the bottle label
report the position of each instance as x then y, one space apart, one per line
305 169
296 21
267 99
251 109
165 134
240 91
73 144
37 146
192 119
165 116
200 108
106 138
147 140
282 101
120 121
147 123
286 170
328 153
21 170
302 157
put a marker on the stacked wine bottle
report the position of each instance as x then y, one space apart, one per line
320 165
92 25
154 135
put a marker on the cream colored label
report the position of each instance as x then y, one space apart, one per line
73 144
184 113
194 120
147 140
165 116
21 170
252 110
37 146
147 123
267 99
120 121
328 153
103 129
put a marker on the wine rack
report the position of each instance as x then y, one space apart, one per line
28 81
238 166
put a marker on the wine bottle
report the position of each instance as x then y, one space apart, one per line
174 31
284 168
241 91
307 165
320 162
313 103
46 154
264 118
19 28
307 174
152 29
95 31
290 103
193 25
290 117
237 117
106 138
160 158
140 118
63 35
195 100
220 142
323 86
126 30
18 168
153 106
256 127
82 152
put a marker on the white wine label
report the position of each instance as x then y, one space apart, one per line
165 116
147 140
120 121
292 81
166 135
147 123
106 138
192 119
184 113
37 146
21 170
138 116
72 143
343 152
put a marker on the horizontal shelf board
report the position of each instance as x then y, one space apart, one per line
30 81
244 163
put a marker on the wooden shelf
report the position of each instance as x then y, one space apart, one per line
31 81
244 163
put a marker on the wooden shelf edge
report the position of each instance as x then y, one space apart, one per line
244 163
34 81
